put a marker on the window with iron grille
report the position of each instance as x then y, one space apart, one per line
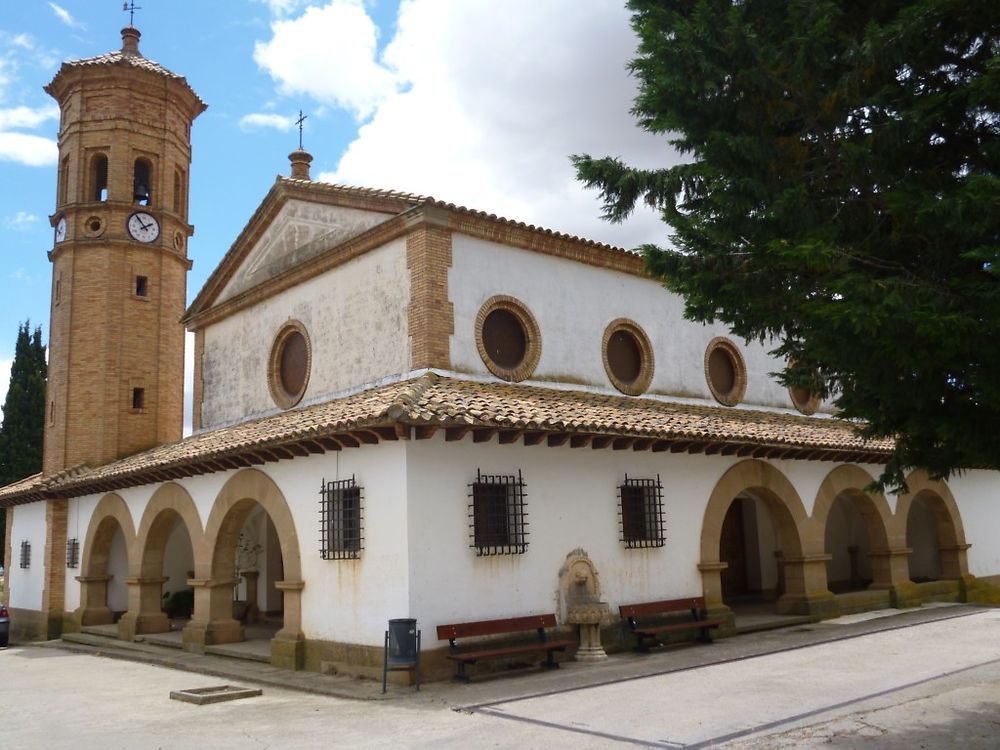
73 553
25 554
641 511
497 518
341 530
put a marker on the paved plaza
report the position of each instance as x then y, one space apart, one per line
926 680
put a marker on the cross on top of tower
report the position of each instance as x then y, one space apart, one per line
302 119
131 7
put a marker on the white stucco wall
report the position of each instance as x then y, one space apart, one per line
417 561
356 317
351 600
26 583
573 303
571 502
978 496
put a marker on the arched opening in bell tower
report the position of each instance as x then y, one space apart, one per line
142 182
99 177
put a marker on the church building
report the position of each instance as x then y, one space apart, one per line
405 408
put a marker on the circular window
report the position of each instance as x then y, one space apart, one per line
94 226
803 399
508 338
628 356
725 371
291 358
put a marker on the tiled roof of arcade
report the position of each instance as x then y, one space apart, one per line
423 406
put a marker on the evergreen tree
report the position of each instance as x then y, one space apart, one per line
22 431
840 198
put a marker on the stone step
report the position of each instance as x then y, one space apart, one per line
241 651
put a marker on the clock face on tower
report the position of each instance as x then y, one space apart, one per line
143 227
61 229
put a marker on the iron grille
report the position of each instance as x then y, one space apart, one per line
25 554
497 516
73 553
341 533
640 509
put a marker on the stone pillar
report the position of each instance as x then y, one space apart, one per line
288 646
954 564
253 611
93 609
890 568
806 588
145 608
711 586
54 591
212 620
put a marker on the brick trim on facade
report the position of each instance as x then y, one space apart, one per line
54 576
431 316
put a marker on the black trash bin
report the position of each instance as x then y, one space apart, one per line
402 649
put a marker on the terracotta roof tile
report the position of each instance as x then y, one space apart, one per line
135 60
449 402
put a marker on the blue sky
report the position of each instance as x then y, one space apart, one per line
478 102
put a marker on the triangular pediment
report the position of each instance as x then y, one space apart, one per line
297 222
300 231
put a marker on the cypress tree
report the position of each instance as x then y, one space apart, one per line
22 431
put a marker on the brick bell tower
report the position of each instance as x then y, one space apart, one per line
119 257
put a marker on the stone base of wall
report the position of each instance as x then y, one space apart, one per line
852 602
984 590
34 625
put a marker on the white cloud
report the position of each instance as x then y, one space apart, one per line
64 15
30 150
493 103
328 54
24 41
27 117
22 221
262 120
283 7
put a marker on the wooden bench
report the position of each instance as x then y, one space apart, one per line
512 625
694 607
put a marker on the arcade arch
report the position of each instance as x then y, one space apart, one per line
248 495
755 520
858 531
169 540
934 531
104 566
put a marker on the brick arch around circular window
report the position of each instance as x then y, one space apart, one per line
803 399
725 371
290 364
628 356
508 338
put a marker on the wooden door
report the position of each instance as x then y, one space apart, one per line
733 550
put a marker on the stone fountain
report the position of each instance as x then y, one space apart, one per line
580 596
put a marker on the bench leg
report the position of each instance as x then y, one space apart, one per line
640 644
460 675
549 662
704 636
